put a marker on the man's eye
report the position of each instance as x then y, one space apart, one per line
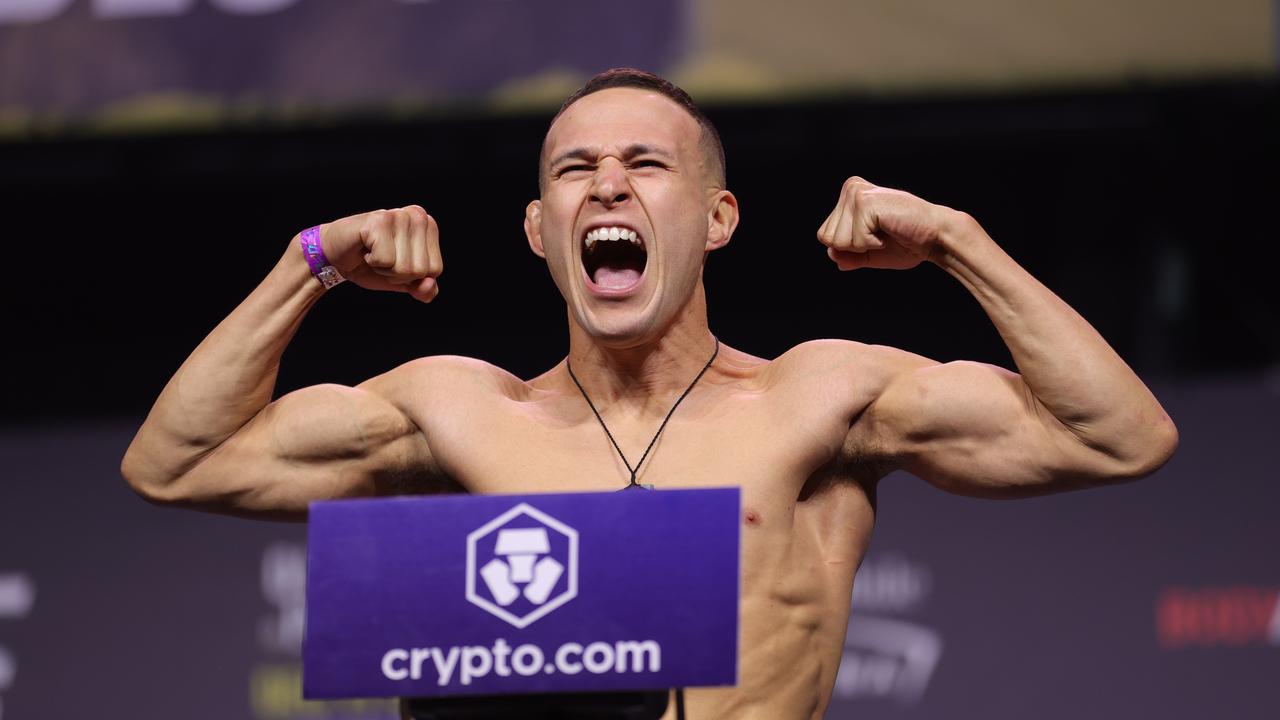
574 168
647 163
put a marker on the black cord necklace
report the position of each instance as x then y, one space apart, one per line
671 412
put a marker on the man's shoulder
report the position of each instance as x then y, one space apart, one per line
830 358
844 377
447 377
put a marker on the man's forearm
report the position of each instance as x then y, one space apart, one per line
227 379
1066 364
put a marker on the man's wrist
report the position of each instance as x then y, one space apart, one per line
313 252
960 240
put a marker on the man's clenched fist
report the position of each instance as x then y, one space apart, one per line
881 228
387 250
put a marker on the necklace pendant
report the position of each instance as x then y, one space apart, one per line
633 485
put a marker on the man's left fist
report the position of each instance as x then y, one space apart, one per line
881 228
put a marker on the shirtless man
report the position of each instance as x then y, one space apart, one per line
806 435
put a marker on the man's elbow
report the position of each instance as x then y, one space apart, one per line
142 477
135 476
1151 451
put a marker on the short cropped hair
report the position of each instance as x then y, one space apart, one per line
640 79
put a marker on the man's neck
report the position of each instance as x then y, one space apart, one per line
647 376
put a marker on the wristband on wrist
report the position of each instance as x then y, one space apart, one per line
327 274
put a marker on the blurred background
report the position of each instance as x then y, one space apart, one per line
157 155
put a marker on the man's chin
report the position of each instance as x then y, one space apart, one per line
618 329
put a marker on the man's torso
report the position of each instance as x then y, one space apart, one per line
776 429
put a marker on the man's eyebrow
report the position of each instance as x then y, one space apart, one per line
581 153
637 149
590 154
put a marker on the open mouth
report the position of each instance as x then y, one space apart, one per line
614 256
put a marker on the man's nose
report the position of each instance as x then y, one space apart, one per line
611 186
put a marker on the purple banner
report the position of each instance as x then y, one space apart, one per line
72 59
488 595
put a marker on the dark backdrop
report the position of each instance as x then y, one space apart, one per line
1150 210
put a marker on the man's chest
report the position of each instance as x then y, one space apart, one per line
804 518
745 440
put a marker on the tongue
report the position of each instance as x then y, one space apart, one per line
616 278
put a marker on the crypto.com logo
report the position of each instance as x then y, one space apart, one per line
526 562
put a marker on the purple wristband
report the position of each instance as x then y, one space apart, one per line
327 274
312 251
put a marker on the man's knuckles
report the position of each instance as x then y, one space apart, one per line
395 236
433 267
417 216
857 235
381 253
378 223
856 185
857 243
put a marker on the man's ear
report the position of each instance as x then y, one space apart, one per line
533 227
722 219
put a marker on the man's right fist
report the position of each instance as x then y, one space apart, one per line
387 250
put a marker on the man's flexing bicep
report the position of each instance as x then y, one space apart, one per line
1076 414
215 440
975 429
317 443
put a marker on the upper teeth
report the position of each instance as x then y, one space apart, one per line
612 233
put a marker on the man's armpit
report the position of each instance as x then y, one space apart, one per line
864 456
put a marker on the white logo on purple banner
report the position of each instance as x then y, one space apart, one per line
522 565
888 657
17 595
